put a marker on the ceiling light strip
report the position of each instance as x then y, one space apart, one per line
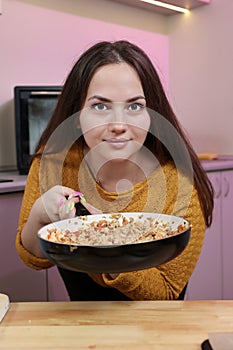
165 5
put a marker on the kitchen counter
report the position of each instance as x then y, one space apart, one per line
19 181
218 164
146 325
12 182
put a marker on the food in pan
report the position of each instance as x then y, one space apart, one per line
115 229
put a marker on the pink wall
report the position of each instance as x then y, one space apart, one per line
39 46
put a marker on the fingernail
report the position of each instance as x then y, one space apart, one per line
72 206
77 194
61 202
80 194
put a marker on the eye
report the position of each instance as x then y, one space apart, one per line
136 107
99 106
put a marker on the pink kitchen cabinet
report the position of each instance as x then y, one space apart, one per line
212 277
56 287
191 4
227 231
18 281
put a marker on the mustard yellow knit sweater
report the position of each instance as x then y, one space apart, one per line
164 191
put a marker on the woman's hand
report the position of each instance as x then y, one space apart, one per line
58 203
53 205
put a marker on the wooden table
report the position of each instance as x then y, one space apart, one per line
170 325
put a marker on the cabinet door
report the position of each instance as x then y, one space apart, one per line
18 281
56 287
206 281
227 225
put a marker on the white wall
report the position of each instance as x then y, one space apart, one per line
41 39
201 75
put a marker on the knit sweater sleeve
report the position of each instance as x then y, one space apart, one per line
31 193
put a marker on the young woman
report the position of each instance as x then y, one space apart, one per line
114 137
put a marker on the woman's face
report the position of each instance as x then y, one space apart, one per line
114 119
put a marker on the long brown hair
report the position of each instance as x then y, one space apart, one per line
161 138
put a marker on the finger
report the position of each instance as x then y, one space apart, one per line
78 195
62 201
66 209
67 191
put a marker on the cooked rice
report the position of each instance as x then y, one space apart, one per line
116 230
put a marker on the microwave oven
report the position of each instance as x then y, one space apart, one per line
33 106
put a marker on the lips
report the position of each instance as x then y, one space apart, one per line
118 143
117 140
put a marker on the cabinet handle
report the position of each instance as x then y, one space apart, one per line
218 188
226 187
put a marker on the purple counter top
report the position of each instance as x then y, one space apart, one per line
16 182
12 182
217 164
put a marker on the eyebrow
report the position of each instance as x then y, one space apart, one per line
105 99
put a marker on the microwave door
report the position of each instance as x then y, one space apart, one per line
40 110
34 106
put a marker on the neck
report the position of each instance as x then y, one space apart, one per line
119 175
122 174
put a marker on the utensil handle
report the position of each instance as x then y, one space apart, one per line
81 210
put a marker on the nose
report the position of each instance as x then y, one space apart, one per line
117 127
118 123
